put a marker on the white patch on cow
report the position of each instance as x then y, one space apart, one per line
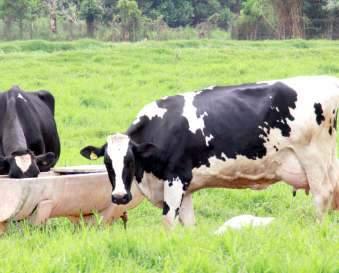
208 139
310 90
223 156
190 113
173 193
21 97
153 188
117 146
195 123
150 110
241 221
23 162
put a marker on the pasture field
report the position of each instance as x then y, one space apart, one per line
99 88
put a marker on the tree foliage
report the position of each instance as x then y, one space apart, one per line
90 11
130 18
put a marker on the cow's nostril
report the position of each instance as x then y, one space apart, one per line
121 199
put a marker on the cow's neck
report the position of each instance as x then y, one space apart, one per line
13 137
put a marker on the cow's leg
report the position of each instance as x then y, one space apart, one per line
320 188
173 195
186 212
319 179
3 227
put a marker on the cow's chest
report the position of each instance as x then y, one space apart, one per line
152 188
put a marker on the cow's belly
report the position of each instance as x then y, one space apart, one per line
291 171
255 174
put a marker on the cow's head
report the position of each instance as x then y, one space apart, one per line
121 155
25 164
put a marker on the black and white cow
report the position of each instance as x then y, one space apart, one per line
29 141
246 136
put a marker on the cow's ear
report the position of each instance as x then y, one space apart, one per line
45 161
146 150
47 98
93 153
4 166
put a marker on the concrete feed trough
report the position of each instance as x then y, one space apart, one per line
68 192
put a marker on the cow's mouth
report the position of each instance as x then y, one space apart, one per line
121 199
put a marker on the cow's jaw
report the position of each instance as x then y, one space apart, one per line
117 150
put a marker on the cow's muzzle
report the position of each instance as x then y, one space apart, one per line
121 199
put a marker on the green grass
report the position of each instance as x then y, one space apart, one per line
99 88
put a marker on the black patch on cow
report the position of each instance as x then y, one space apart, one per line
247 114
185 185
335 121
166 208
170 183
176 212
330 128
318 113
239 119
276 148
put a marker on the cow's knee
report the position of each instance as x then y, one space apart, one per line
173 195
169 215
322 201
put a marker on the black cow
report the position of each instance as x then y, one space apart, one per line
246 136
29 141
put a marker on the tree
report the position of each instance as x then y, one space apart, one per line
315 17
90 11
7 15
253 19
69 10
332 6
130 19
33 11
175 13
203 9
109 9
13 11
223 18
52 9
290 18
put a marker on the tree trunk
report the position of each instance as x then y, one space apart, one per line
236 7
90 28
296 13
52 15
71 31
31 27
290 18
7 27
21 27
